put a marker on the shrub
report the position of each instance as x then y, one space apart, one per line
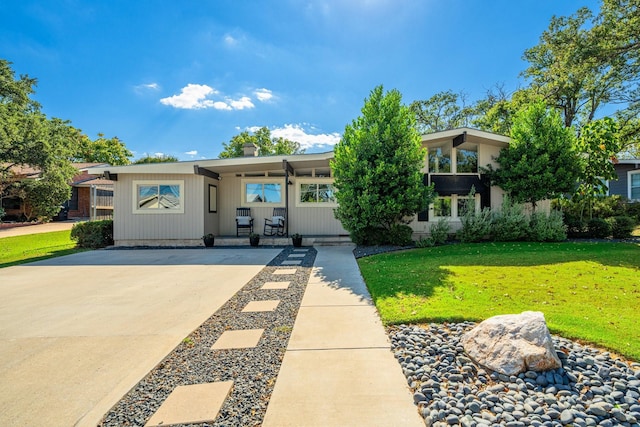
576 227
633 210
93 234
425 242
398 235
440 231
598 228
510 223
476 226
621 226
547 228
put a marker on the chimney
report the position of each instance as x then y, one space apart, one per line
250 149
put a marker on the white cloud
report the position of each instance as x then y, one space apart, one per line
158 154
241 104
263 94
229 40
191 153
295 132
146 87
192 96
195 96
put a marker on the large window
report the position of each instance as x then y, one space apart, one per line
467 158
158 197
440 158
634 185
454 206
264 191
316 192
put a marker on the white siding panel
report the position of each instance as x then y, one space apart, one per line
130 226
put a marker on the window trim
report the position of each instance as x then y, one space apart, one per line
263 180
629 174
158 182
301 181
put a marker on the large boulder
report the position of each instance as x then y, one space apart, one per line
512 343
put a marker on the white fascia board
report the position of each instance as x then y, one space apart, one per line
470 131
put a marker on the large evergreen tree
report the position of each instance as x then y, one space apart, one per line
541 162
377 169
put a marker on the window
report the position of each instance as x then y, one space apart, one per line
442 207
264 191
454 206
440 158
158 197
316 192
467 158
634 185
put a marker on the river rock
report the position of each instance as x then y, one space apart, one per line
512 343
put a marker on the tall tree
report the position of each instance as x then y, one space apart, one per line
377 168
599 143
443 111
541 161
29 138
103 150
267 145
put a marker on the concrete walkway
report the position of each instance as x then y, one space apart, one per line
77 332
338 369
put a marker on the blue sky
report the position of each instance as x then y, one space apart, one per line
182 77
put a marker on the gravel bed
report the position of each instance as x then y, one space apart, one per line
593 387
253 371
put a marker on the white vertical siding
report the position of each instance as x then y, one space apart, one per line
129 226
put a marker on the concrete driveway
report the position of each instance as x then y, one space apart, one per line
77 332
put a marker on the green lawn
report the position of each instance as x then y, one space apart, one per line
587 291
35 247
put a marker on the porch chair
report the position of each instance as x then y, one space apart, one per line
274 226
244 220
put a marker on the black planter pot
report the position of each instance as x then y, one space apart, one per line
297 241
254 241
208 241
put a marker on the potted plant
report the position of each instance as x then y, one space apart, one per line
208 240
297 240
254 239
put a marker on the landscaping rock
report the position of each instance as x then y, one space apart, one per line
513 343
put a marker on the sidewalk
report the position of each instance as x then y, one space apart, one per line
338 369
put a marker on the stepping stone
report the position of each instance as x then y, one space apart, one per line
243 338
191 404
275 285
297 255
297 262
300 250
266 305
286 271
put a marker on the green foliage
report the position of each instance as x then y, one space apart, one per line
547 228
621 226
103 150
598 228
45 196
476 226
164 158
93 234
599 143
438 234
541 161
377 168
443 111
267 145
509 223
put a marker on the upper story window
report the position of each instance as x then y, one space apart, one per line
634 185
316 192
467 158
440 158
158 197
262 191
443 158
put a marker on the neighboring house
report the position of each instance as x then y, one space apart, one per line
91 195
175 204
628 182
